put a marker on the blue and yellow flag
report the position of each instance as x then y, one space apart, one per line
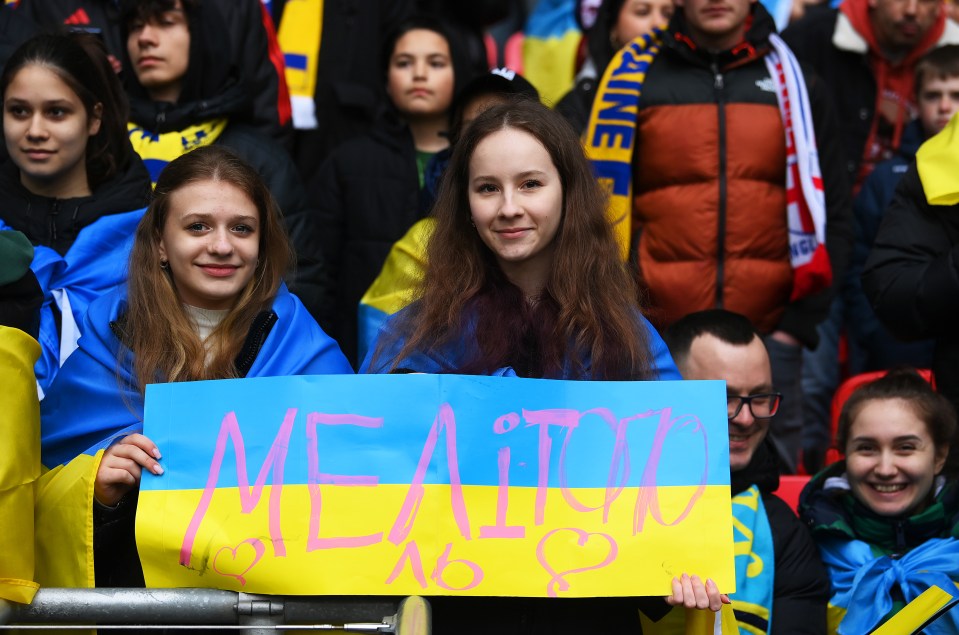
551 39
436 485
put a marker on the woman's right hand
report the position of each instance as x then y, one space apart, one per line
119 470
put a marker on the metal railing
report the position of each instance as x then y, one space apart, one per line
211 609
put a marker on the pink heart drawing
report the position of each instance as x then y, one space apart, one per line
558 581
233 559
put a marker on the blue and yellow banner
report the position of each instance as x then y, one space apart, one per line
436 485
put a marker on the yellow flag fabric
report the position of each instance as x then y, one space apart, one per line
64 524
938 165
19 463
299 35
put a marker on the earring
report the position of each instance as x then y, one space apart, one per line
164 264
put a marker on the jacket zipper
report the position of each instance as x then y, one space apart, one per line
54 212
718 86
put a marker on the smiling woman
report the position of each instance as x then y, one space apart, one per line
205 300
889 503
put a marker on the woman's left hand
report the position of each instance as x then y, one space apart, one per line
689 591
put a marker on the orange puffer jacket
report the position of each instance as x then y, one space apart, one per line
709 187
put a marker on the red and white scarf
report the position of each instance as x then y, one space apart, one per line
805 200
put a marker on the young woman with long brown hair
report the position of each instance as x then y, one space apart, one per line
204 300
523 277
522 270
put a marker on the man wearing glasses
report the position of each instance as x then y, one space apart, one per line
791 596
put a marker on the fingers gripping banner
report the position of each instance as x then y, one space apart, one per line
436 485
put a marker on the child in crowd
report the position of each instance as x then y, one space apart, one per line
73 184
371 189
205 300
403 270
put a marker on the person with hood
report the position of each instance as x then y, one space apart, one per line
788 597
72 185
371 190
245 23
186 93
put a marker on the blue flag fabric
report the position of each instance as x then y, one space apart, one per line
94 400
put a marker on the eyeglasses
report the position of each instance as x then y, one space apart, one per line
761 406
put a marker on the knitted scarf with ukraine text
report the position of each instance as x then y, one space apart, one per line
611 138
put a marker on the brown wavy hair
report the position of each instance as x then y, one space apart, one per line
164 342
587 322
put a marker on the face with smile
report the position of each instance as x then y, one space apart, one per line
899 25
516 202
159 50
46 128
716 25
938 101
637 17
747 371
211 240
891 459
420 76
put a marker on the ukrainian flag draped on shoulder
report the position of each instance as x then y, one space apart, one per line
611 133
94 402
95 264
396 285
751 610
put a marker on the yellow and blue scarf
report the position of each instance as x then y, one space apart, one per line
157 149
862 583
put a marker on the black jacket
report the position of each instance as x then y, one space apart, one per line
367 196
912 276
801 587
246 41
55 223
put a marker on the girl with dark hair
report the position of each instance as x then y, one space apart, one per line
73 184
205 300
371 189
886 518
523 277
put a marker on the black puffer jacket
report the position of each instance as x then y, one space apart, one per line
912 276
